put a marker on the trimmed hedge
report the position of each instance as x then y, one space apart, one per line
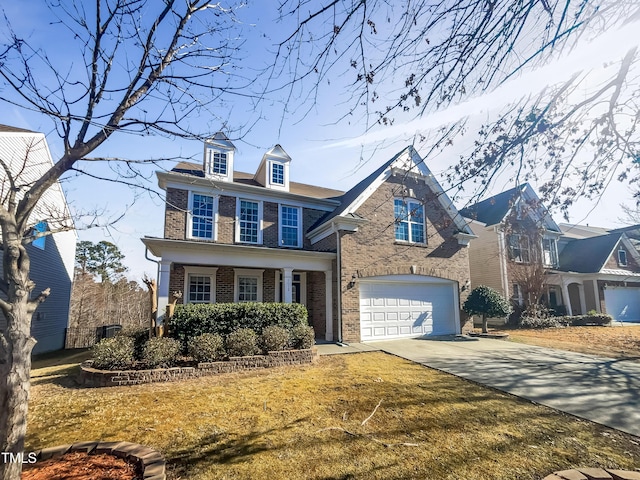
208 347
274 339
242 343
161 352
114 353
583 320
194 319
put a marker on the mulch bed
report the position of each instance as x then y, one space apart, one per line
83 466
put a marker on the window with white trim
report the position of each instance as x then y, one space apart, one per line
201 217
549 252
622 257
290 226
248 285
516 296
277 173
249 213
409 220
200 284
218 162
519 248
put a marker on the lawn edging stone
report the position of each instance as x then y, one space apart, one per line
93 377
593 474
151 462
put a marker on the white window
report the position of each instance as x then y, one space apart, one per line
218 163
622 258
519 248
249 221
277 173
200 284
409 220
290 226
549 252
201 221
248 285
517 294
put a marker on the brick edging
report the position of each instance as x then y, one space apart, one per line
593 474
152 462
92 377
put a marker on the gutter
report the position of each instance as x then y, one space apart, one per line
339 283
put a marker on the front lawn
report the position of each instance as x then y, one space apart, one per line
613 342
307 423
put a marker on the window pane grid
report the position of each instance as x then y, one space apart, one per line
199 289
289 226
217 162
409 217
277 173
247 289
202 216
249 219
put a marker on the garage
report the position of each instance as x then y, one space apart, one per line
396 306
623 303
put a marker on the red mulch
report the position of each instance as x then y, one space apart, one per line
82 466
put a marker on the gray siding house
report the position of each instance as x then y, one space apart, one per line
52 256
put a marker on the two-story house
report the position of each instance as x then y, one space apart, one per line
26 155
386 259
521 252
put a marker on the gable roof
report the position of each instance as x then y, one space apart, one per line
312 191
10 129
588 255
408 157
493 210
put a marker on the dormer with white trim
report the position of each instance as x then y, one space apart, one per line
273 171
218 158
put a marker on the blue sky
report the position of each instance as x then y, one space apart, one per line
324 151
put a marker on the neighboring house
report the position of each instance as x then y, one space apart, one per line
517 241
599 270
521 252
386 259
27 156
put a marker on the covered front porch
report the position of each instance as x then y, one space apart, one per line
616 293
210 273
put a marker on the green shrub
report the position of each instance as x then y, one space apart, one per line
114 353
539 322
139 335
161 352
302 337
487 302
582 320
241 343
193 319
208 347
274 339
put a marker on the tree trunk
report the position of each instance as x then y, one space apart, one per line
485 322
15 368
16 345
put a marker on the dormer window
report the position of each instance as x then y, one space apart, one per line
277 173
217 163
218 158
622 258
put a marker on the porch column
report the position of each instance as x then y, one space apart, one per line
566 300
287 289
164 270
328 295
596 295
583 302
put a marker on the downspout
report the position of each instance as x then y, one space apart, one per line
339 282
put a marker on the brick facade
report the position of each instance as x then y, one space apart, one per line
612 261
373 250
175 216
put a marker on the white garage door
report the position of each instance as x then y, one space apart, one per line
623 303
396 306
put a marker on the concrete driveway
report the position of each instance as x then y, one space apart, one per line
603 390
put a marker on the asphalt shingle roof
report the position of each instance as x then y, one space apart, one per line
492 210
587 255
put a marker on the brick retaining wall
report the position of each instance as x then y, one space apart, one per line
92 377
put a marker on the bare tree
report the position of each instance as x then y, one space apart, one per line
405 60
144 68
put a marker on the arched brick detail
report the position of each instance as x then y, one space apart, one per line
382 270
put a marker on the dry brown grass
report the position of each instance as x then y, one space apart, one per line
277 424
614 342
